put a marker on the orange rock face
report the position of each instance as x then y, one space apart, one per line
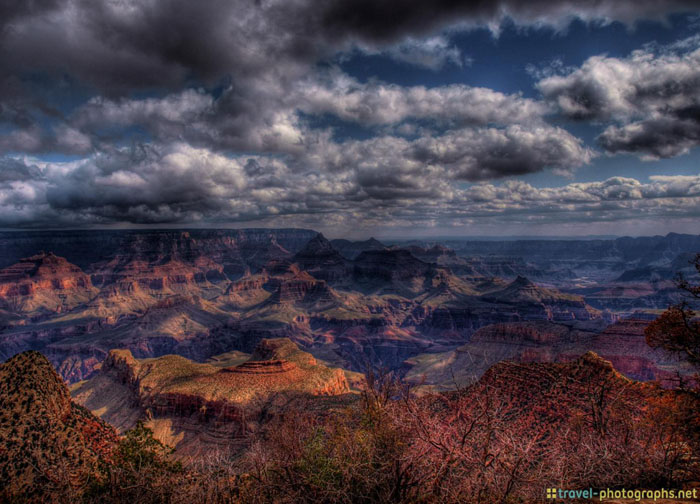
42 271
174 387
264 367
44 281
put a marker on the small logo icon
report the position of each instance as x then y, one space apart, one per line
551 493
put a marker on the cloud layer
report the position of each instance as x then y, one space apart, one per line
220 111
184 185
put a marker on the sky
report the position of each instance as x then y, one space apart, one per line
357 118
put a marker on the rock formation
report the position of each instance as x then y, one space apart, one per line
200 400
44 283
622 343
46 440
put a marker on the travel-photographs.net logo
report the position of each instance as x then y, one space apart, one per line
621 493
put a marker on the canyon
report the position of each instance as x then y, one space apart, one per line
217 341
409 306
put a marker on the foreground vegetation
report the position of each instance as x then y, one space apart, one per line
475 445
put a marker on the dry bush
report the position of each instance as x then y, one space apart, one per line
473 445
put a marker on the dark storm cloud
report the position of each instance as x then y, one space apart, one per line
12 10
387 20
484 154
138 44
36 140
13 170
661 137
121 46
15 115
253 118
147 184
653 95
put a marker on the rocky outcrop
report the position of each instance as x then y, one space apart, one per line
44 282
39 424
622 343
388 266
264 367
302 288
322 261
533 302
631 296
163 274
446 257
395 271
543 396
541 333
174 387
121 365
42 271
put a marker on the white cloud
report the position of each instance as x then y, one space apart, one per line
432 53
652 96
179 184
379 103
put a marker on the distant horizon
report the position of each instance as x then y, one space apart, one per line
385 239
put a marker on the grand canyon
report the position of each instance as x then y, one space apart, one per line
349 251
209 338
197 294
